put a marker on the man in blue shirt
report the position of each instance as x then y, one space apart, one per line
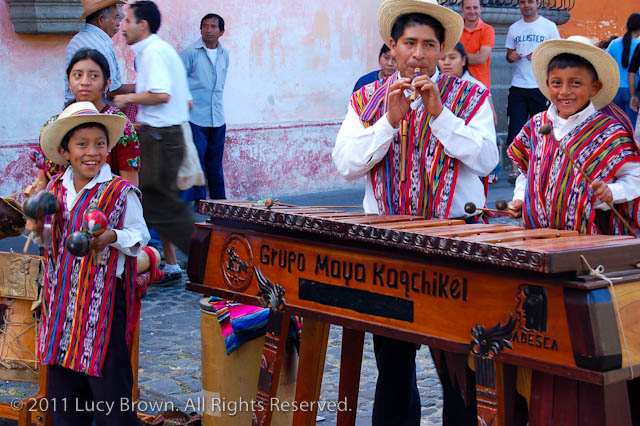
388 66
207 62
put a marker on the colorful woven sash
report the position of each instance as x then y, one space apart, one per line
556 195
79 291
431 174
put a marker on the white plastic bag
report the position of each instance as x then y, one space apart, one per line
190 171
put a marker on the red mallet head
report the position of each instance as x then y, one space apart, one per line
41 204
94 221
79 243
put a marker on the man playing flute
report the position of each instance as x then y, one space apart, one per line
449 146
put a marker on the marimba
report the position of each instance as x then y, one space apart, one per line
549 313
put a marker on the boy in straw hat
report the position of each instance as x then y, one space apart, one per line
88 300
432 172
579 79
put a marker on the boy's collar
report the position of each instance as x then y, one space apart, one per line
578 116
104 175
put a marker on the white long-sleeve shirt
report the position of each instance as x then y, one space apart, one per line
626 185
134 234
359 149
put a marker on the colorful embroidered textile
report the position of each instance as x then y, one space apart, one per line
79 291
556 195
125 155
430 173
240 323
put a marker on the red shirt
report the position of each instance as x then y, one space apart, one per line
481 35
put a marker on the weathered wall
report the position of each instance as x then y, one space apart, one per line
599 19
292 70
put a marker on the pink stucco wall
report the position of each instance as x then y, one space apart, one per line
292 70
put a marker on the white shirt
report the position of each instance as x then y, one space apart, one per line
524 37
134 233
160 70
358 149
626 185
213 55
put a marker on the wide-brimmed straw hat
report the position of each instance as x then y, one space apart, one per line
92 6
391 10
603 63
74 115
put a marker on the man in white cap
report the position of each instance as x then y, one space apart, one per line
450 143
103 22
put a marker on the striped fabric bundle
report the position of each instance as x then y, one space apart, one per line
431 174
240 323
79 291
556 195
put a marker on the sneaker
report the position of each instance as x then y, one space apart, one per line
493 178
171 276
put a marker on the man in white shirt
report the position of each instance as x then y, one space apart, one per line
446 154
163 95
525 99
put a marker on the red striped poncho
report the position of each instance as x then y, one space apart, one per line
431 174
79 292
556 195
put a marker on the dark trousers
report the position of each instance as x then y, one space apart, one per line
209 142
397 400
76 399
161 152
522 105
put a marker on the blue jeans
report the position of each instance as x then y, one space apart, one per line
622 99
209 142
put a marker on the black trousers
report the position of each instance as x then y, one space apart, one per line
76 399
397 400
522 105
161 152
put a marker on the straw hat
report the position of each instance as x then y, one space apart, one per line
391 10
74 115
604 64
92 6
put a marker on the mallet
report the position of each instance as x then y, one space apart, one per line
39 205
546 130
501 207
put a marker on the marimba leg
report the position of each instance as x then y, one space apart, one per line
313 350
275 342
350 365
566 402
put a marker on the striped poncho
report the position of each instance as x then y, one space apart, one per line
431 174
79 292
556 195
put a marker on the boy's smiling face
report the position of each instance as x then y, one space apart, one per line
571 89
88 149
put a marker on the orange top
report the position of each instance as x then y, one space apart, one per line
482 35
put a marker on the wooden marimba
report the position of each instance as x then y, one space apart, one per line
549 314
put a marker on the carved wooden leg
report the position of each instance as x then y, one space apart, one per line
313 350
350 365
272 357
486 394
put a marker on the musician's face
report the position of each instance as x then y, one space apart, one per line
418 47
571 89
87 153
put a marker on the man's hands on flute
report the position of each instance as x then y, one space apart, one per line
399 104
430 94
